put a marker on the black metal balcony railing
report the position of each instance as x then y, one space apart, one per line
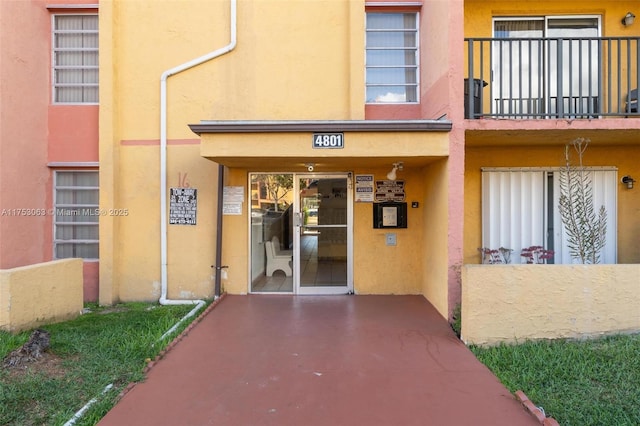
552 78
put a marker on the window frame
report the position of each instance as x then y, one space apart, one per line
545 227
60 206
55 85
416 49
540 95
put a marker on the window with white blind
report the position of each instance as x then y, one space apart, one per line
392 54
540 62
76 214
75 59
520 209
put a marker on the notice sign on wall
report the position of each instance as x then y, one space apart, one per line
364 189
232 200
390 190
183 204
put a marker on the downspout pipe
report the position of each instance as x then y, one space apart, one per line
163 156
218 264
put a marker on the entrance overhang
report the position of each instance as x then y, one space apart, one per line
263 145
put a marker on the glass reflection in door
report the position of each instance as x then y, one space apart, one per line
323 234
271 233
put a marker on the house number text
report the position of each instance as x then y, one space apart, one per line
328 140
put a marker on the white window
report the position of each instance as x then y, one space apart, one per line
76 215
75 59
542 62
520 209
392 58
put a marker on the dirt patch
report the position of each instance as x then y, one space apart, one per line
38 342
48 364
34 358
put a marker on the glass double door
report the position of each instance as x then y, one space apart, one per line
301 233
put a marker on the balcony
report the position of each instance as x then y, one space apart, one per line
552 78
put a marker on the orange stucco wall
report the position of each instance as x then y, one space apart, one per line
624 157
378 268
478 13
540 143
293 83
478 23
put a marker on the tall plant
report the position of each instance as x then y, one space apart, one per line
585 230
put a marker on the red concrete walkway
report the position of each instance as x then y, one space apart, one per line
320 360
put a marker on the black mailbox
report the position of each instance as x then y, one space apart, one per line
390 215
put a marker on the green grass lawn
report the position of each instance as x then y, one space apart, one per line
106 346
581 383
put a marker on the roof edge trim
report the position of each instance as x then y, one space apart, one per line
77 164
233 126
393 4
73 6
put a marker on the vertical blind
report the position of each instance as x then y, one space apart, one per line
518 211
513 209
76 215
392 57
75 58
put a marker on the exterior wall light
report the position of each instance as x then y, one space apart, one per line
399 166
628 180
628 19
